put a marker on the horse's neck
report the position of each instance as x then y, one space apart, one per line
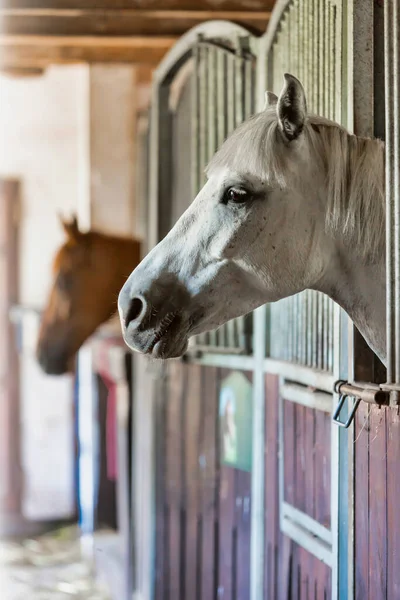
360 290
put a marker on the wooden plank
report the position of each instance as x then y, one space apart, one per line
120 22
271 485
243 528
392 499
361 494
289 437
226 525
10 459
27 51
322 481
309 453
177 383
378 530
209 471
193 402
300 472
161 507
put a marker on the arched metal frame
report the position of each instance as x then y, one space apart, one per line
339 90
222 96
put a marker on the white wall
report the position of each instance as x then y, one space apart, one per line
42 141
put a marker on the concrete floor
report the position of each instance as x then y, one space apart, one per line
50 567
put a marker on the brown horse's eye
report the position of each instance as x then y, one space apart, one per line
236 196
63 282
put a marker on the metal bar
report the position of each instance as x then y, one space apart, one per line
221 98
203 100
195 122
307 540
301 395
303 520
315 378
396 183
390 259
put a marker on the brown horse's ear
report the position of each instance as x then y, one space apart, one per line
71 227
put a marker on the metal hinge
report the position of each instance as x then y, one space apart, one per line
381 395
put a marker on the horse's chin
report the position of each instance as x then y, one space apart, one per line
164 348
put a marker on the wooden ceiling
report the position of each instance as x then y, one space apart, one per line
37 33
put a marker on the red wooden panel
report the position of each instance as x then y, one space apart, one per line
192 478
243 531
289 436
377 506
361 493
226 526
300 458
285 568
174 448
209 473
271 485
161 554
310 460
322 465
393 512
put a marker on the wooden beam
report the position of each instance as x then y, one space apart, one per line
25 51
122 22
18 73
210 5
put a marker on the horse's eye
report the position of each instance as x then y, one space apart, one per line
236 195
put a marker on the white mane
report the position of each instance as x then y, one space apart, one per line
354 167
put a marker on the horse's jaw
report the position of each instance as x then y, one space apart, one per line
361 291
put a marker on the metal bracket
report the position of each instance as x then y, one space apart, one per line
368 392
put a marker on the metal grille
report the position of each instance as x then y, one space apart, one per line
223 97
308 45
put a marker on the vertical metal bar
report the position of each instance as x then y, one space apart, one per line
326 58
331 61
396 184
326 333
389 142
239 88
315 330
211 100
319 57
195 123
310 326
203 100
221 88
230 99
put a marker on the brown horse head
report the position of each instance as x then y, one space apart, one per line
88 270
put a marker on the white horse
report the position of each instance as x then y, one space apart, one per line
293 201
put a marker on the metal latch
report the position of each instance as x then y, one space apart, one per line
368 392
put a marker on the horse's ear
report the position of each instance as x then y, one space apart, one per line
70 227
271 99
292 108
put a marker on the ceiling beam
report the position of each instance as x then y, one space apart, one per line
210 5
46 21
21 52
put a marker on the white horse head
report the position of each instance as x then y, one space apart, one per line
289 197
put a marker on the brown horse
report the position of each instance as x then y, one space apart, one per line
89 270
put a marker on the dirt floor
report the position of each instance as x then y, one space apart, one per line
50 567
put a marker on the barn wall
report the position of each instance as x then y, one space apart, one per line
111 134
41 134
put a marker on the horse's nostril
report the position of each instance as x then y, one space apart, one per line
135 310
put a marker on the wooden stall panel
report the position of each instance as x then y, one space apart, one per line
307 460
203 508
209 472
292 573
